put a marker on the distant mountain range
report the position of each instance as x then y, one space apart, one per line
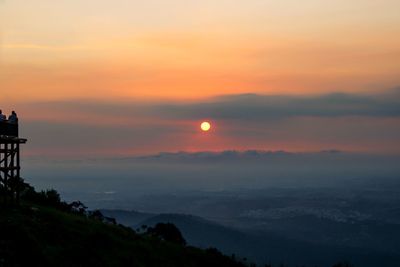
256 156
260 246
229 155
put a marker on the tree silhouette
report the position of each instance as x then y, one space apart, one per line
97 215
342 264
168 232
78 207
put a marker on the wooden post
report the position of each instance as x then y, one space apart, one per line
18 182
1 173
10 168
5 173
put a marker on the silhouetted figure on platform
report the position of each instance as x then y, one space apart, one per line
13 118
2 116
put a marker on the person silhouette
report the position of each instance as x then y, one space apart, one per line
2 116
13 118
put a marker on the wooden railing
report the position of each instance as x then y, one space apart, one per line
8 129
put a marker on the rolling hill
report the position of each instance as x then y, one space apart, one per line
37 235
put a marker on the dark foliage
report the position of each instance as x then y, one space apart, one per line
50 198
343 264
168 232
45 231
78 207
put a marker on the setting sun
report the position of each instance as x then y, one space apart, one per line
205 126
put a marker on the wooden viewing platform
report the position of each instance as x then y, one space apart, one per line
10 163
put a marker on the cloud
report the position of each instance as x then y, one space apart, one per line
348 122
255 107
240 107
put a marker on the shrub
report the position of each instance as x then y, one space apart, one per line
168 232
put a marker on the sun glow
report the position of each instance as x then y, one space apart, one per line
205 126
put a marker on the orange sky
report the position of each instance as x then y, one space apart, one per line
193 49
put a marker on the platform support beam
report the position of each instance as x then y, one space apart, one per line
10 171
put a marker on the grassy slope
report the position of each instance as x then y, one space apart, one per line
34 235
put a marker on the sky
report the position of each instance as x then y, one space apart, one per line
123 77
